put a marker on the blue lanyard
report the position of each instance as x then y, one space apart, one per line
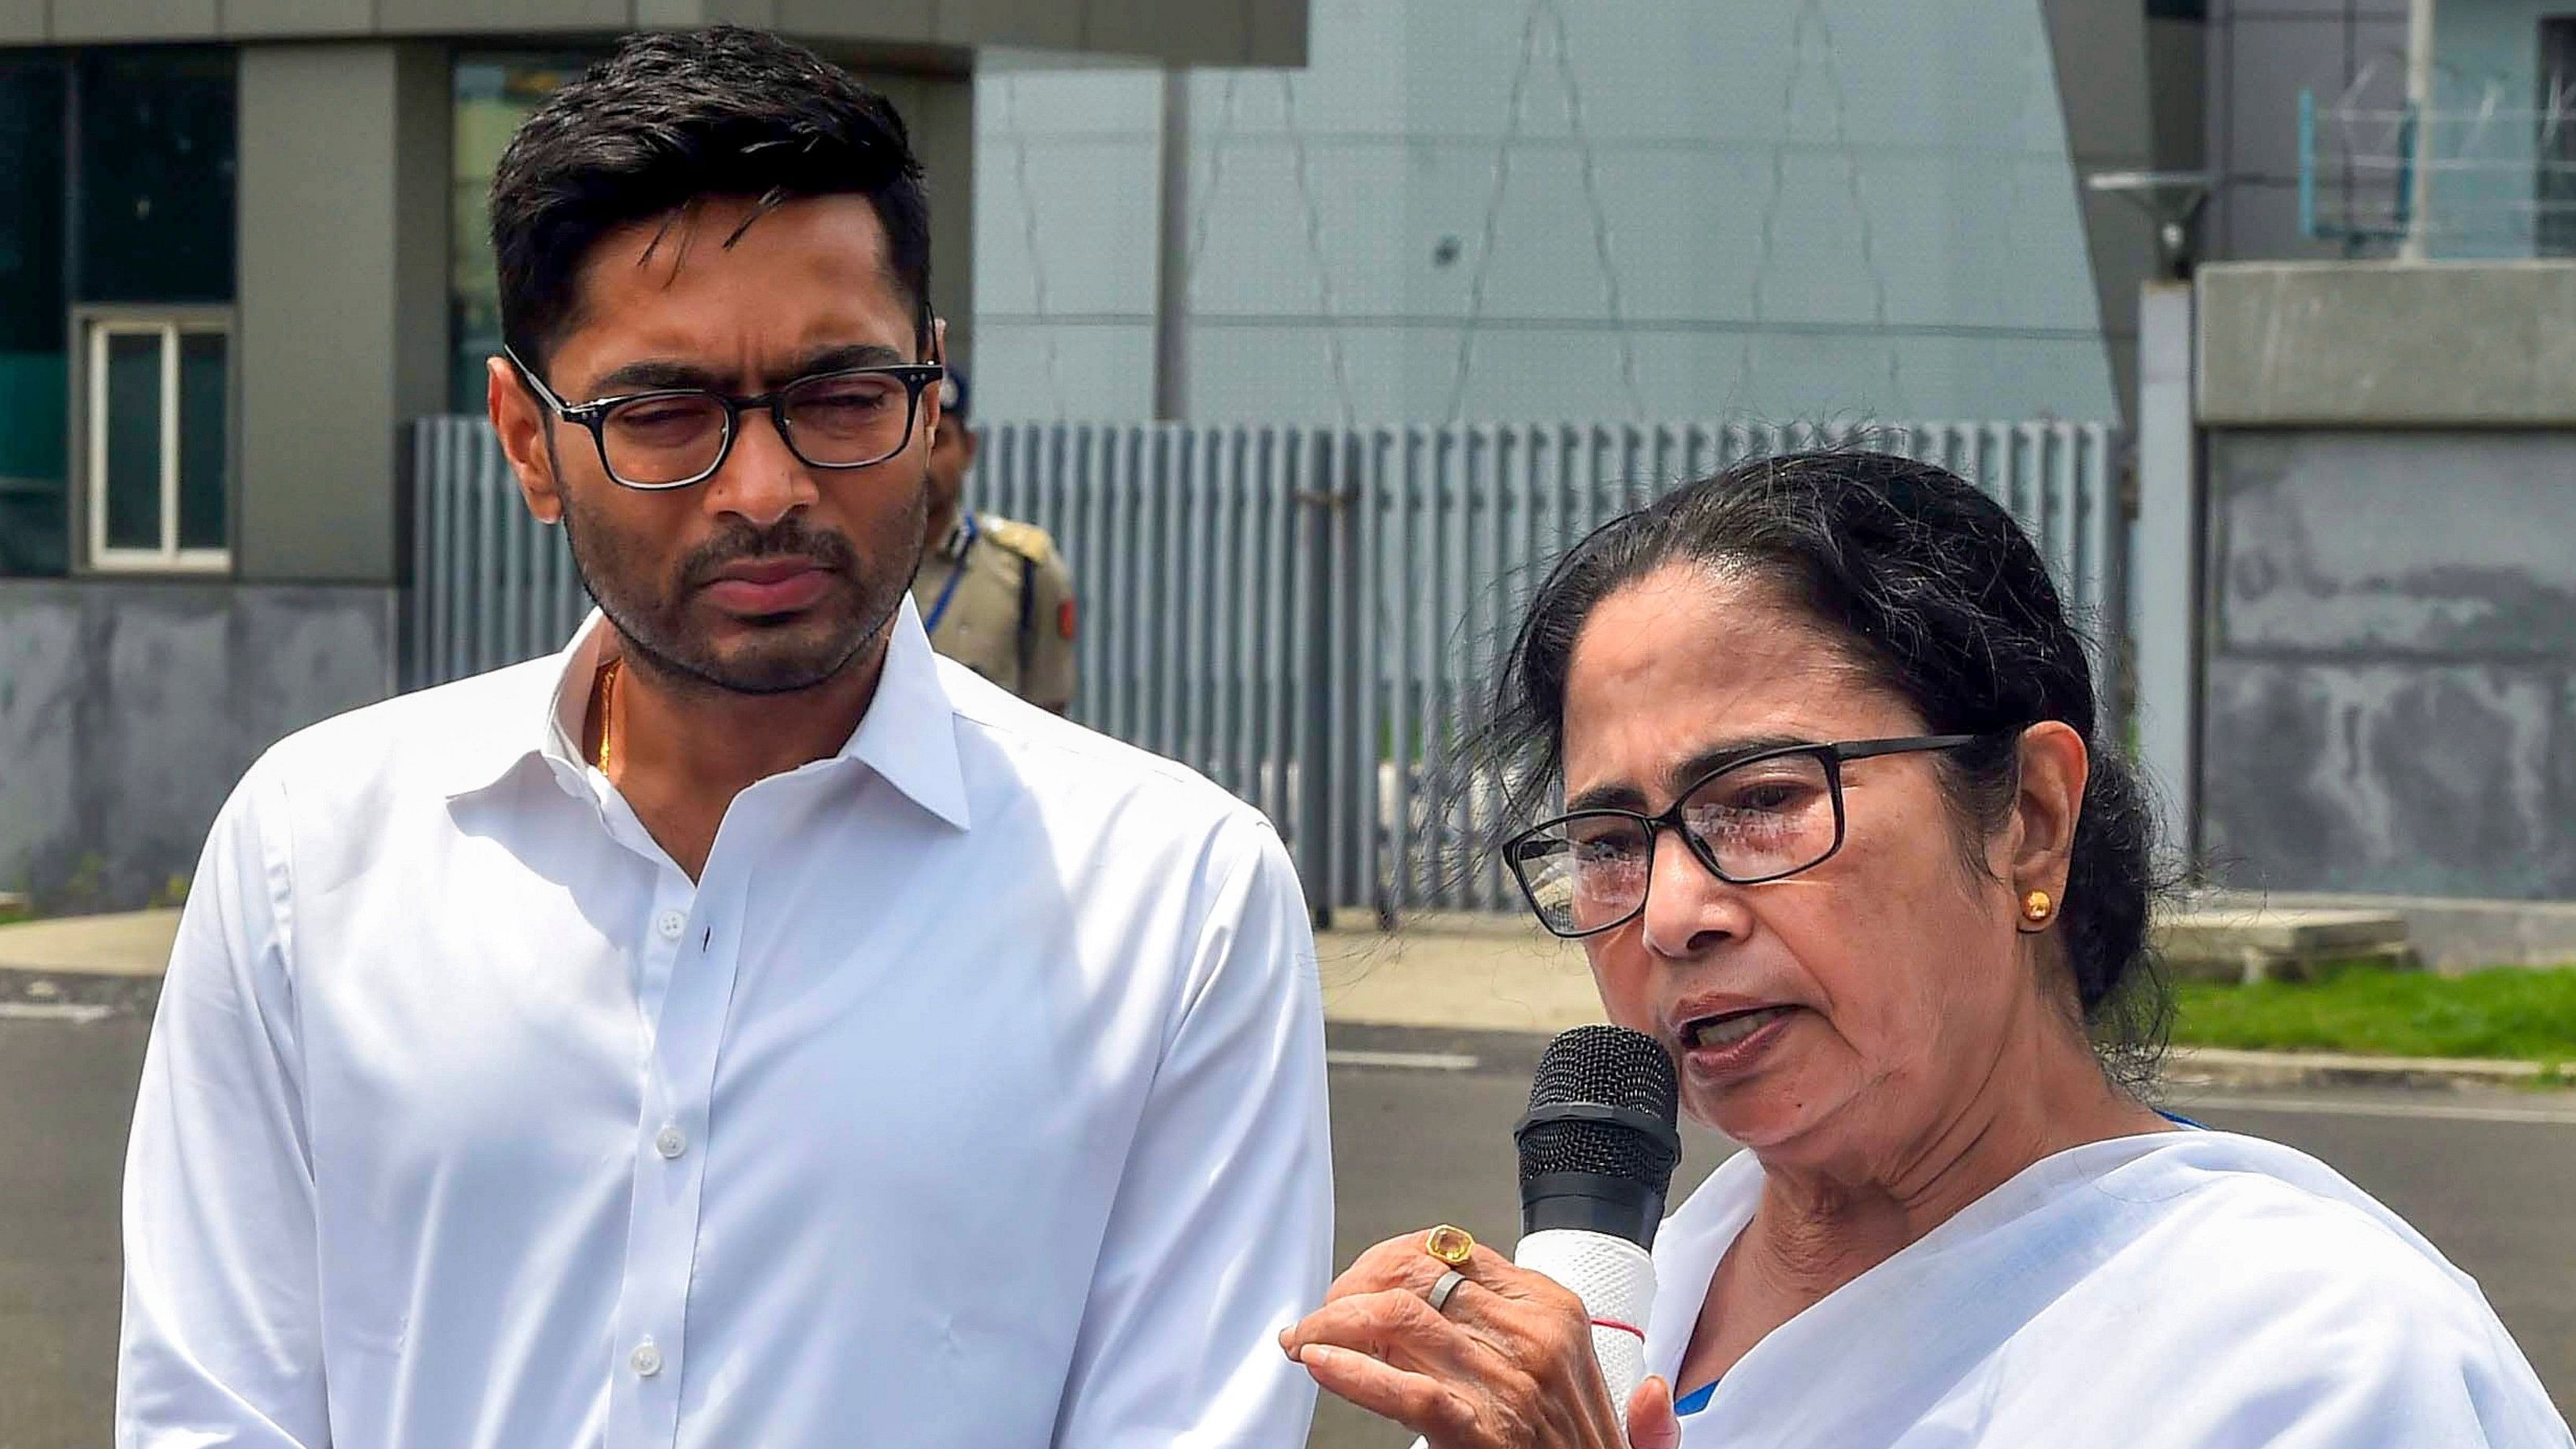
948 591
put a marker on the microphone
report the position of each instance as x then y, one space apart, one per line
1597 1153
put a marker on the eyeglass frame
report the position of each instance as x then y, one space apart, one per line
593 414
1831 754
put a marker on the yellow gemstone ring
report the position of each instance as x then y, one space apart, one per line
1451 1245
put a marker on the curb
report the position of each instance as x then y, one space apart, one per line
136 995
2186 1068
2223 1067
123 994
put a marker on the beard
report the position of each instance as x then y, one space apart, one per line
671 629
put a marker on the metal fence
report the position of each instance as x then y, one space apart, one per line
1306 615
489 584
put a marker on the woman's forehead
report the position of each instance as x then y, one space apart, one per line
1687 661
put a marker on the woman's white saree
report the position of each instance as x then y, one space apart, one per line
2177 1290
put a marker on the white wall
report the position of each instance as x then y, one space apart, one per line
1811 210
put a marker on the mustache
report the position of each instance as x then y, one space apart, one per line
789 536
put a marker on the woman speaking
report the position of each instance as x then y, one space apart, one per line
1840 830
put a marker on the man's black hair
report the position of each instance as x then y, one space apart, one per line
674 116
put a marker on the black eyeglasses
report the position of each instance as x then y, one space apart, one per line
1773 813
673 437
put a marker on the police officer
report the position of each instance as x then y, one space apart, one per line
993 593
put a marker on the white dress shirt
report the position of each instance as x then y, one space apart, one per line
2174 1290
974 1096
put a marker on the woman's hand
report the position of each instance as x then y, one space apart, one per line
1508 1365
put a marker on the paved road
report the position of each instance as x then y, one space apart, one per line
66 1093
2492 1179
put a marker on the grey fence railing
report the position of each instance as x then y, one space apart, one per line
1306 615
489 584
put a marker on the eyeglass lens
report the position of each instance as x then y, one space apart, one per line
1762 819
838 420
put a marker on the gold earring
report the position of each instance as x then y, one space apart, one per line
2036 907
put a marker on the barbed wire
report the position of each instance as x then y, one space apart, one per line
2498 174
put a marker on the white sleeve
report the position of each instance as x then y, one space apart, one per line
2388 1350
2389 1373
1221 1233
222 1337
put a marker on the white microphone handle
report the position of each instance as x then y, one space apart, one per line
1616 1281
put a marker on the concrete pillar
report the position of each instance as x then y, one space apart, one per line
2164 567
1172 254
344 204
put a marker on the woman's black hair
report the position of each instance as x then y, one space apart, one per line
1938 596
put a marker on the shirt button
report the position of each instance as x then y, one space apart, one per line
670 1142
646 1359
670 924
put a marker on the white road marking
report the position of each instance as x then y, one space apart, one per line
2561 1116
53 1011
1402 1061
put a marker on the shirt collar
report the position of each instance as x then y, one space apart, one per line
908 735
504 719
961 535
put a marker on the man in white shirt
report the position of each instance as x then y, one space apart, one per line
745 1028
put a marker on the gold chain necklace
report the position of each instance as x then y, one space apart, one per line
602 697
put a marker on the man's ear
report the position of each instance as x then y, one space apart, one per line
931 412
520 421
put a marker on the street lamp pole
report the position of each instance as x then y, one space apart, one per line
2419 131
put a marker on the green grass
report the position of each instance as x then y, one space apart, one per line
2504 1012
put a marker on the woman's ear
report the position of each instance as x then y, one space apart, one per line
2054 764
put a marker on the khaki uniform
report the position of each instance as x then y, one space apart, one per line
1008 612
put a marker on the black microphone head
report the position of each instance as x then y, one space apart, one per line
1598 1147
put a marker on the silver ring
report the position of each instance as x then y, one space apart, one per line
1441 1290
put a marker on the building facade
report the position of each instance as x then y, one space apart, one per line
1776 210
2389 464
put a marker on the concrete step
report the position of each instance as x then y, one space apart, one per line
2240 941
2210 939
2455 934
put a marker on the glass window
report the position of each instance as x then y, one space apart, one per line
2553 181
139 208
205 447
494 93
157 413
35 377
129 436
157 139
